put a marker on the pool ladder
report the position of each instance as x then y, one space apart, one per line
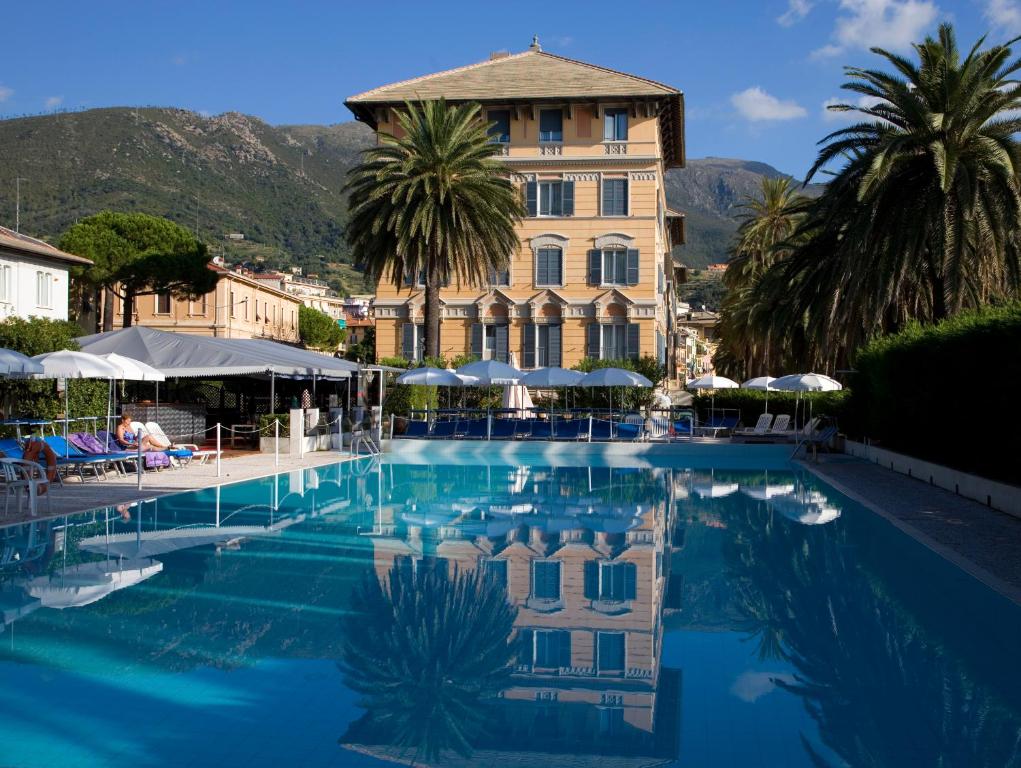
362 440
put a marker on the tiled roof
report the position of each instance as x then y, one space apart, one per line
15 241
529 75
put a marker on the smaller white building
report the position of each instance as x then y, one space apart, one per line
34 277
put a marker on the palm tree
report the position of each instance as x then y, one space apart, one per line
920 220
433 203
428 654
764 237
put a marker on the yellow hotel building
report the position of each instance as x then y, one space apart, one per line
593 275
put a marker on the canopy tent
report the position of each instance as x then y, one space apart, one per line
188 356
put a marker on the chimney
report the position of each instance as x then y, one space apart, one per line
498 55
535 44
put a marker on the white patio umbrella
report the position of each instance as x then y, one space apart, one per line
490 372
552 377
767 491
430 377
68 364
516 397
806 382
614 377
713 383
86 583
811 508
761 384
16 364
131 370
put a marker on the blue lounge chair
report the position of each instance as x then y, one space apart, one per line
522 428
541 430
445 429
602 429
571 429
12 449
503 429
476 429
630 432
416 429
73 456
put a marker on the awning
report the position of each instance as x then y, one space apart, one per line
187 355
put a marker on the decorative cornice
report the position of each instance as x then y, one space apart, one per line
581 176
614 240
569 160
643 175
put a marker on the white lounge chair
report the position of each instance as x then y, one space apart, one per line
154 429
19 476
761 426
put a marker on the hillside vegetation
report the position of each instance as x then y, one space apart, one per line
279 185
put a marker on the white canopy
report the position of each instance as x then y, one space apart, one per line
86 583
133 370
187 355
712 382
68 364
760 383
151 543
490 372
552 377
614 377
433 377
806 382
16 364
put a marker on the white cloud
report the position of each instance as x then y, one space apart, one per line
749 687
756 105
890 24
1003 13
52 102
5 93
832 116
796 11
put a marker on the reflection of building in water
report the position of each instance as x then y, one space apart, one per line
582 553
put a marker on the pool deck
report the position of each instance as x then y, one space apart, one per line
75 496
980 540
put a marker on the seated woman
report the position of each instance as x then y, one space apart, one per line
129 440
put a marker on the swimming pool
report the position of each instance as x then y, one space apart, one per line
628 612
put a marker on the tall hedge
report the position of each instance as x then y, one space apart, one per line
947 392
751 403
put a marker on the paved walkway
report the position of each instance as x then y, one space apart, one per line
75 496
982 541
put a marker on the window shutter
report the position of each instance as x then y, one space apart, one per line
564 637
528 345
592 348
622 194
607 198
409 278
591 580
632 266
554 345
634 331
568 198
408 341
622 125
556 267
501 343
595 267
630 581
542 267
532 198
477 331
526 647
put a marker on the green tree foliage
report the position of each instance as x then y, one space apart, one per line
435 202
318 330
38 399
427 652
135 254
624 398
365 350
920 218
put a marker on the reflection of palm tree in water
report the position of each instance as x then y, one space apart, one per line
884 687
427 652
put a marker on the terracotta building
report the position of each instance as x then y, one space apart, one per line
593 274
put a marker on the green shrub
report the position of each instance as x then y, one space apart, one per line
266 424
40 399
947 392
751 403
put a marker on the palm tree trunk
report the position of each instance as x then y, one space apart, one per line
107 309
432 307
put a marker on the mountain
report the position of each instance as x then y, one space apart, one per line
278 185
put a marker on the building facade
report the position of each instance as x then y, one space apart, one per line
593 275
240 307
34 277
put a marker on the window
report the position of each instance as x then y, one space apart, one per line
546 579
500 278
490 341
233 312
44 289
613 341
499 125
5 282
548 648
292 319
610 651
549 267
614 197
496 571
615 267
550 198
541 345
611 721
162 303
610 581
615 125
551 125
413 342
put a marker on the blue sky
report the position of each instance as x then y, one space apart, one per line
756 73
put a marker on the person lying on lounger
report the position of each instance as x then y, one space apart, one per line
129 440
39 452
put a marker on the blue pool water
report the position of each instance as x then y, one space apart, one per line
653 612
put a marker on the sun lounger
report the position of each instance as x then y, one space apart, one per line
476 429
182 455
571 429
540 430
416 429
503 429
522 428
781 424
602 429
445 429
761 427
628 431
150 459
194 452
